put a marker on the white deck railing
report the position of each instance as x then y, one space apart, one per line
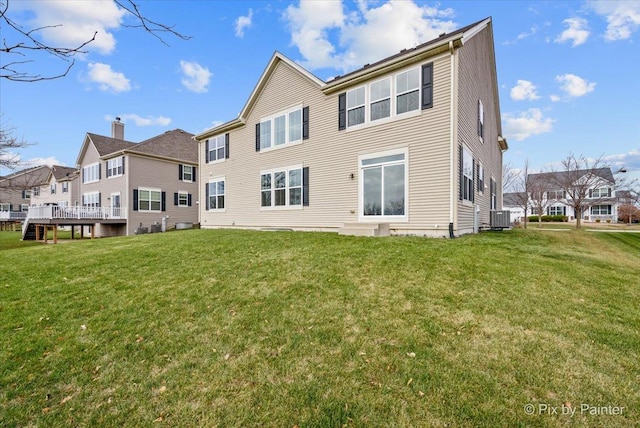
50 212
12 215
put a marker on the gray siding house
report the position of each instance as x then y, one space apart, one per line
60 187
138 184
411 144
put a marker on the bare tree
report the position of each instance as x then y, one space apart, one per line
26 44
539 187
519 185
8 144
510 177
581 179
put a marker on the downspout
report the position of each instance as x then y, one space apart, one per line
452 142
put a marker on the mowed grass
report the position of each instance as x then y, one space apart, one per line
282 329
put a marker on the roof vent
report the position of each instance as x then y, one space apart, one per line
442 35
365 66
403 50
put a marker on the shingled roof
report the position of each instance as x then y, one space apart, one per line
557 176
62 173
107 145
176 144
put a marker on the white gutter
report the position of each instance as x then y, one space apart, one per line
452 143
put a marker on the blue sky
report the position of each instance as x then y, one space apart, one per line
567 70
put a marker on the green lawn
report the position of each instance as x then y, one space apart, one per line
239 328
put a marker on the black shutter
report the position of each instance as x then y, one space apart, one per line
342 111
478 177
591 193
257 137
226 145
24 194
609 192
473 169
99 171
99 199
305 123
206 191
564 210
180 172
461 189
123 164
305 186
83 175
108 171
135 199
189 199
206 151
193 176
427 86
164 201
175 199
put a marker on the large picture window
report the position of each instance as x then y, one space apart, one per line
281 129
149 200
601 210
91 173
281 188
383 192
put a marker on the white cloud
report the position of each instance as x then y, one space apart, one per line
575 86
196 77
69 24
141 121
243 22
577 33
554 98
37 161
108 79
369 34
524 90
526 124
623 17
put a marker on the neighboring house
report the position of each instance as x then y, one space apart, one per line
511 202
60 188
411 144
599 196
16 189
139 184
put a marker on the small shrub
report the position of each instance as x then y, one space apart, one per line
597 220
549 218
608 220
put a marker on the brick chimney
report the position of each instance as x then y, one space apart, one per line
117 129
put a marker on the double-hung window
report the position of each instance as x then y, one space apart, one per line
217 148
408 91
282 187
91 173
601 210
480 121
287 127
91 199
149 200
36 191
355 106
557 210
480 178
65 187
383 191
380 99
467 165
53 188
115 167
216 194
602 192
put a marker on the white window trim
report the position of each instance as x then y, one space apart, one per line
94 194
216 180
271 118
465 201
186 194
481 169
377 219
281 207
182 178
481 120
149 189
214 149
119 163
86 168
393 115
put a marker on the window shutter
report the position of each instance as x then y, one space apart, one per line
226 145
206 190
564 210
180 172
99 199
194 174
123 164
108 171
342 111
206 151
305 123
479 185
175 199
305 186
427 86
83 175
461 177
591 193
99 171
135 199
473 173
189 199
609 192
257 137
24 194
164 201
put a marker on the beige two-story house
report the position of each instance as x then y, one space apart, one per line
411 144
59 188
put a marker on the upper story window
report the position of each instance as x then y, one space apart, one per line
26 194
407 91
65 187
601 192
36 191
394 96
480 178
91 173
53 188
556 194
217 148
187 173
288 127
115 167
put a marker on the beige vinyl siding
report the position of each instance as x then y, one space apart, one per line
477 81
144 172
332 156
